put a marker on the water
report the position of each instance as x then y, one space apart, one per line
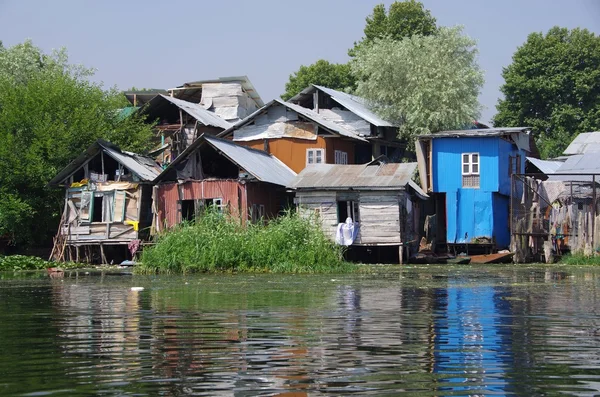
421 331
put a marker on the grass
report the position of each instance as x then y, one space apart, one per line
218 243
580 259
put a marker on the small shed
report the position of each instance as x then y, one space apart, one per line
380 198
108 200
468 174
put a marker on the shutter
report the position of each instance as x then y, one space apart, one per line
86 208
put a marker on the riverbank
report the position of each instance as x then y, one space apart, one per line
215 242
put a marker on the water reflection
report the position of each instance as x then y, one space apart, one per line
428 331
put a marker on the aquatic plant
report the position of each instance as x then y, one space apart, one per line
24 262
217 242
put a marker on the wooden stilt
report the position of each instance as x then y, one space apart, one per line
102 256
77 253
400 252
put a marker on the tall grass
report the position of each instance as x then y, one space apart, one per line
215 242
580 259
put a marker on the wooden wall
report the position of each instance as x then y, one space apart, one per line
382 214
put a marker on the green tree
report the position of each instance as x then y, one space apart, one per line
49 113
403 19
553 86
423 83
333 75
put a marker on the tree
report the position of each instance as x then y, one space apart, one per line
553 86
425 84
331 75
403 19
49 113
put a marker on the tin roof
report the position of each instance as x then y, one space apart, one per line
485 132
546 166
353 103
307 113
204 116
390 176
263 166
586 163
586 142
144 167
243 80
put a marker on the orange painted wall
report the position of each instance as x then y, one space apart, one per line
292 152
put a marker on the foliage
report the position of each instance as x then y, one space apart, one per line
24 262
215 242
331 75
553 85
424 84
580 259
49 113
403 19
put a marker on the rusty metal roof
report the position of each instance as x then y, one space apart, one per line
390 176
484 132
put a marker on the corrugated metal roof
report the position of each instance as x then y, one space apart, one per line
356 105
307 113
204 116
578 164
476 133
353 103
244 80
388 176
144 167
546 166
263 166
586 142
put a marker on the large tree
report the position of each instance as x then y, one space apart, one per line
553 85
49 113
423 83
332 75
403 19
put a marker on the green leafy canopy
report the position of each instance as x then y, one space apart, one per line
423 83
553 85
49 113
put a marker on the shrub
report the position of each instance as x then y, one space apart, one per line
216 242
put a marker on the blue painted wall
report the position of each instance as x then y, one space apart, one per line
470 212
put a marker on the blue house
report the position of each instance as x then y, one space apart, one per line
468 174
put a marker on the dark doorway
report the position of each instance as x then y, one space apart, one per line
188 210
98 209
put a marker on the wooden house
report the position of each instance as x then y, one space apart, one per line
468 175
108 200
196 108
354 114
216 172
300 134
381 199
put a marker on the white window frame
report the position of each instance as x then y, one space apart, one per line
341 157
470 163
314 152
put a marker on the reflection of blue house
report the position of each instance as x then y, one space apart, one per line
469 175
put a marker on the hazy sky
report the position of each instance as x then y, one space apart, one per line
162 44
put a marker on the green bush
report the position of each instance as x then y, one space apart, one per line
216 242
580 259
23 262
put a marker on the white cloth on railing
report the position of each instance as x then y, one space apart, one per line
346 232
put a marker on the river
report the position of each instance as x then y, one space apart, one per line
420 330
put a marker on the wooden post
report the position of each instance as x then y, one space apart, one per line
400 252
77 253
102 256
102 159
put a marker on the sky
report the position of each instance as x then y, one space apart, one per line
163 44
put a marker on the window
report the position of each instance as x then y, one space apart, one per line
315 156
470 170
347 209
257 212
514 165
341 157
